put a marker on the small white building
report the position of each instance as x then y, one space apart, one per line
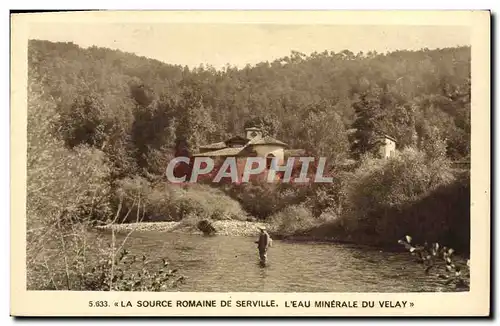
387 147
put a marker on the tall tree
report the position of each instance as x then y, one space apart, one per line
369 114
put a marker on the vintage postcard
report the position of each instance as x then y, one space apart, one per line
250 163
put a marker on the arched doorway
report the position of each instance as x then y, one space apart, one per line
269 160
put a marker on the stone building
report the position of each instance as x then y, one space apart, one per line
253 144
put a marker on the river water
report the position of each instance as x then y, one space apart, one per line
230 264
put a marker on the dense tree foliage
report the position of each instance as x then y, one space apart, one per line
126 116
103 125
136 109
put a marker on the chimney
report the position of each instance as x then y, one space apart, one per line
253 133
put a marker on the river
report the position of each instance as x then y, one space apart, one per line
230 264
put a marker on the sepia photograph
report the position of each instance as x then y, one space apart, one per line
251 157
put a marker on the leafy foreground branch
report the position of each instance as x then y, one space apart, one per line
89 263
130 274
72 257
440 258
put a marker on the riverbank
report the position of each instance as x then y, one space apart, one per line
233 228
327 233
226 227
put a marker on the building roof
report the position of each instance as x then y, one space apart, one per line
218 145
230 151
236 139
267 140
224 148
389 137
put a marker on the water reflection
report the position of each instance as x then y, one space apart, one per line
263 273
231 264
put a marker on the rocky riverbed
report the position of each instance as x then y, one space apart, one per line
227 227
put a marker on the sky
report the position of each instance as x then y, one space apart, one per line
219 44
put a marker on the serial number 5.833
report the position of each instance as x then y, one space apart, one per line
98 304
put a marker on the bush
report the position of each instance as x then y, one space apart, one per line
131 199
293 220
441 216
327 198
68 190
206 202
72 258
259 200
167 202
380 192
262 199
61 183
128 273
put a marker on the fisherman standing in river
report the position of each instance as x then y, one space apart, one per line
263 244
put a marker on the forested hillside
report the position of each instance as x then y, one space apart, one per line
135 108
103 125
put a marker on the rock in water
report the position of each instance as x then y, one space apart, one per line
206 227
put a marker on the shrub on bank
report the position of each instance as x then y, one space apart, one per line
166 202
68 190
258 199
126 272
74 259
262 199
292 220
381 193
441 216
207 202
62 184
